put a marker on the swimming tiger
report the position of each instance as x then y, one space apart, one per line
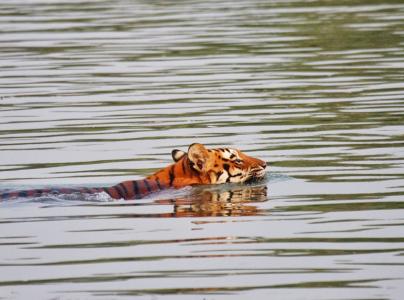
196 167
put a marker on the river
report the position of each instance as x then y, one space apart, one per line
93 93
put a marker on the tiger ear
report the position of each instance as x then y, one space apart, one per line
177 154
198 155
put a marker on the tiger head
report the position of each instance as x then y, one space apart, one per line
210 166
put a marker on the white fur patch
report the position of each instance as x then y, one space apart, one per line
228 152
223 177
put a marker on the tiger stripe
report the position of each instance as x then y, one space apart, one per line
148 187
136 188
124 190
106 190
112 192
184 169
142 187
171 175
159 184
154 186
22 194
120 191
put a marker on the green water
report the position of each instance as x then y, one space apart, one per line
97 92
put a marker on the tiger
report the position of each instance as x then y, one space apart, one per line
197 166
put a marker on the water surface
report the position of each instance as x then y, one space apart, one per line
97 92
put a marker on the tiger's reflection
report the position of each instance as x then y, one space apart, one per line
213 201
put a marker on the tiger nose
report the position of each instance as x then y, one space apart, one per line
263 164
